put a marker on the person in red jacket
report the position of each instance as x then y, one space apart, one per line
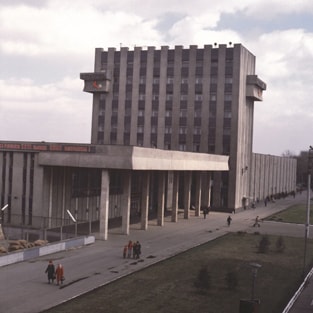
59 274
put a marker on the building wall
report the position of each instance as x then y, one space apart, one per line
190 99
21 186
271 176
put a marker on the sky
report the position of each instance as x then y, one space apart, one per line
46 44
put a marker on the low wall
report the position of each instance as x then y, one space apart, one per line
31 253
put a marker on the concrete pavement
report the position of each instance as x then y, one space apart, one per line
24 287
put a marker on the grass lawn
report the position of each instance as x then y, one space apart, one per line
294 214
171 285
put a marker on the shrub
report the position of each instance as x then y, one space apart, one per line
280 244
264 244
203 281
231 280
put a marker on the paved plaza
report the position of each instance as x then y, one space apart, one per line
24 287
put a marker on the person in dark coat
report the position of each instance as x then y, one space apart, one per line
138 250
50 271
229 219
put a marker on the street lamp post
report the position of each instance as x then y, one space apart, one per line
307 224
255 267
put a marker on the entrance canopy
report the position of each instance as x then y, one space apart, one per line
136 158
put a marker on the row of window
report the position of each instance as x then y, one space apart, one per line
171 80
182 146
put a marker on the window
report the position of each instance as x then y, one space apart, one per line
86 182
213 97
197 131
228 97
169 97
142 97
129 80
183 97
155 97
168 130
227 114
213 80
198 97
198 113
154 129
170 80
140 129
196 147
155 113
184 80
183 113
142 79
228 80
182 130
156 80
168 113
198 80
141 112
182 147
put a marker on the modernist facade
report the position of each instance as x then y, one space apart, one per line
41 181
171 129
185 99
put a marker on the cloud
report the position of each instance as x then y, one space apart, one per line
62 28
46 44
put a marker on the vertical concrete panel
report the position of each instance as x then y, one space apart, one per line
205 94
191 97
126 202
145 200
148 98
161 188
187 192
135 96
198 191
175 196
104 205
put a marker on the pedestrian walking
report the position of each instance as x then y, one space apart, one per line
257 222
129 249
137 250
59 272
229 219
206 211
134 250
50 271
125 249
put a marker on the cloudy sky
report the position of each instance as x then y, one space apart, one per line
45 44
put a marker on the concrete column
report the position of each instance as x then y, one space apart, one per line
161 185
145 200
126 202
206 189
104 205
175 197
198 193
187 192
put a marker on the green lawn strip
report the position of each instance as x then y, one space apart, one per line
294 214
173 285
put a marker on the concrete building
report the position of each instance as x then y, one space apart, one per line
184 99
171 129
41 181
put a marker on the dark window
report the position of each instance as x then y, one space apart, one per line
184 71
199 70
116 183
104 58
199 54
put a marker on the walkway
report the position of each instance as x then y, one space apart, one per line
24 287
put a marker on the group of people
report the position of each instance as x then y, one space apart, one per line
55 273
132 249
